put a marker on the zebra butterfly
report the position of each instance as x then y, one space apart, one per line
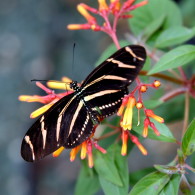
70 121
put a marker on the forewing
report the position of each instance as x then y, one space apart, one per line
106 86
50 131
118 71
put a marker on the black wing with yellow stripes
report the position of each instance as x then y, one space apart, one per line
70 121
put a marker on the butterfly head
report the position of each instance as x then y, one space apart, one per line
74 85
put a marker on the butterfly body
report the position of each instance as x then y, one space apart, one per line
71 120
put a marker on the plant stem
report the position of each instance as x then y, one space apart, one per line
108 135
173 94
164 77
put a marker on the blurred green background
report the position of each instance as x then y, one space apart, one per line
35 44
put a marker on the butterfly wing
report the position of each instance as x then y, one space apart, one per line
61 125
68 122
105 87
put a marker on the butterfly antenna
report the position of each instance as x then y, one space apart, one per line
41 80
73 52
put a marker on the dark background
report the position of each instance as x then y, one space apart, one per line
34 43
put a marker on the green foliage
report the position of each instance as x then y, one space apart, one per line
159 26
177 57
188 141
150 184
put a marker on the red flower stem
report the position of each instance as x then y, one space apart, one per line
110 31
182 73
173 94
115 40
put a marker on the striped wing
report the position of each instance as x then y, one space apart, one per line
105 87
63 124
69 121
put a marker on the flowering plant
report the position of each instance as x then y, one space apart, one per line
164 54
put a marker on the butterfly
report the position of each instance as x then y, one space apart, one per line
71 120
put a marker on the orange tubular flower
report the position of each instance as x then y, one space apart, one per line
128 115
115 6
135 140
124 136
74 152
86 151
103 7
146 124
132 7
58 151
85 13
151 114
79 26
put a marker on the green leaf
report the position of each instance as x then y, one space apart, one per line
151 104
105 166
87 182
165 134
184 185
137 175
109 188
177 57
172 186
122 165
173 36
146 15
188 141
150 184
167 169
153 27
122 168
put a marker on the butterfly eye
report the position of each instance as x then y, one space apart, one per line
134 59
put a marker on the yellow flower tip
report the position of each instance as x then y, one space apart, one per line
40 110
156 83
28 98
59 85
142 149
103 5
151 114
143 3
128 115
143 88
124 150
125 135
116 5
139 105
66 80
121 109
126 126
58 151
84 150
145 132
90 160
24 98
85 13
78 26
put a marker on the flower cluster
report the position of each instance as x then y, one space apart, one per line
116 8
126 113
